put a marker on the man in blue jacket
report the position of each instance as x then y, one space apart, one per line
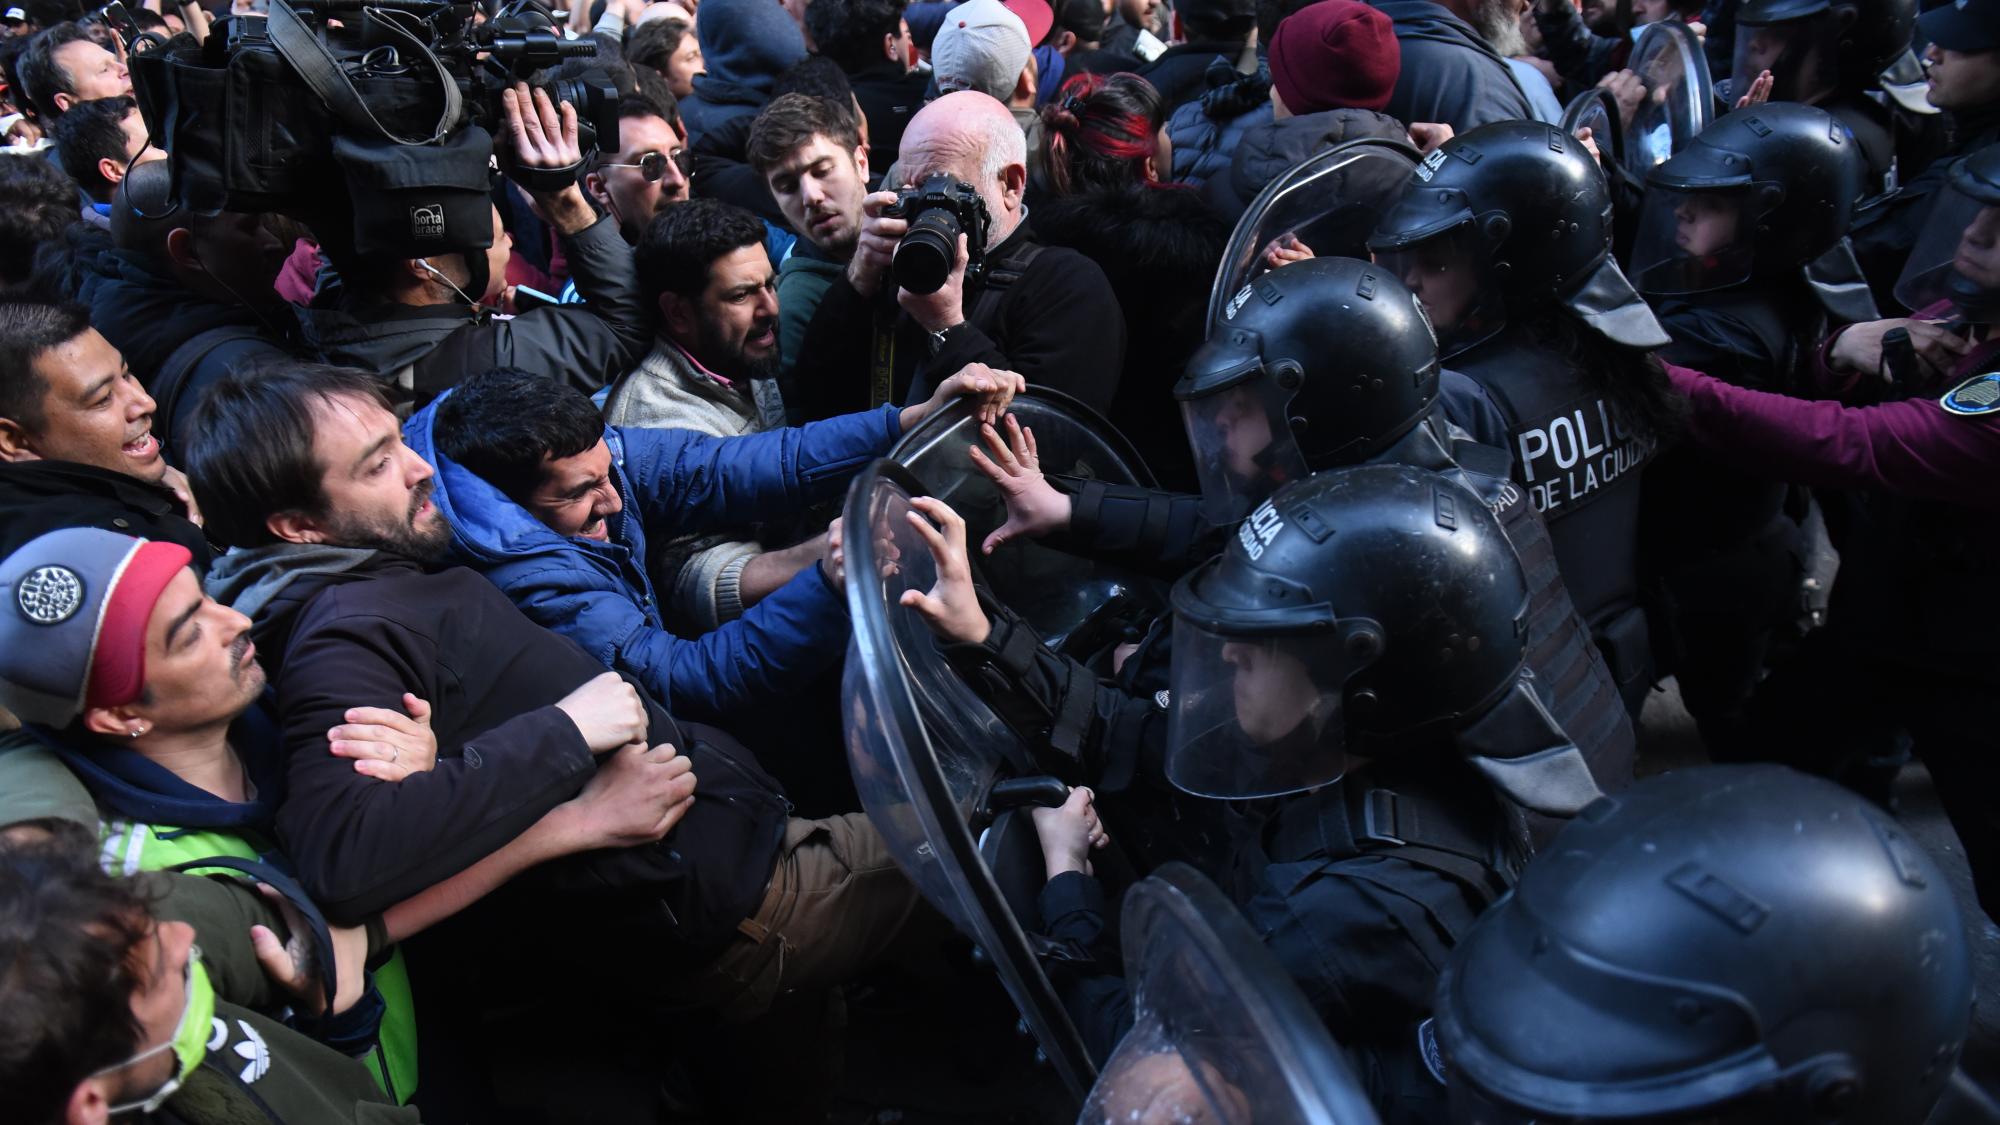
555 507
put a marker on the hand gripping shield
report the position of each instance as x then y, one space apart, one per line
944 780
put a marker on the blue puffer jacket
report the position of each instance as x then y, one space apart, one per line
671 482
1204 132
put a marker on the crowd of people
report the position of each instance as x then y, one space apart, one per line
1464 434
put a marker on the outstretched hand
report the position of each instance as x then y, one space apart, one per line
1759 91
1034 507
951 608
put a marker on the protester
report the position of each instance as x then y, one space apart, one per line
37 204
745 46
1455 62
76 437
650 172
810 152
871 41
100 142
670 47
987 47
184 297
63 66
1045 312
1211 31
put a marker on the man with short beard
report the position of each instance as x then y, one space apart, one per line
810 152
1455 61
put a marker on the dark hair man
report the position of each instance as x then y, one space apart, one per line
810 152
76 436
64 66
334 521
37 204
185 296
1046 312
99 142
113 1009
871 42
416 322
513 450
648 173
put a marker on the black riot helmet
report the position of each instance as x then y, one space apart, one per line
1957 256
1816 49
1354 606
1502 221
1320 363
1725 943
1760 193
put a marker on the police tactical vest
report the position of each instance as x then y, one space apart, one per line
1580 466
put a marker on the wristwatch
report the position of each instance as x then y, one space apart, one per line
938 338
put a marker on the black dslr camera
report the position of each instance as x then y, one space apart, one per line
938 210
372 121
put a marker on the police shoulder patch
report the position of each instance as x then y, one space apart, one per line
1428 1050
1977 395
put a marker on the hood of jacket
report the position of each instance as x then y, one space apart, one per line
271 584
142 310
1164 237
489 529
134 787
745 45
378 339
1269 150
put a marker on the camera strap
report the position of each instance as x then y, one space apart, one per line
317 67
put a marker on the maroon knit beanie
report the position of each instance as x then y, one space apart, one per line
1335 54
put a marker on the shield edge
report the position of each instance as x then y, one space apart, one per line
1005 945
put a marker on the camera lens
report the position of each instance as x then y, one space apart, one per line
924 258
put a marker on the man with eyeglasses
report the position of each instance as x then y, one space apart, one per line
113 1009
650 171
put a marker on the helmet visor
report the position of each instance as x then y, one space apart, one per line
1693 241
1956 259
1451 272
1243 445
1802 56
1254 715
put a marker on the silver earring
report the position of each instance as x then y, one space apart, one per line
139 731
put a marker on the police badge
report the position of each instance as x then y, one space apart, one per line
1977 395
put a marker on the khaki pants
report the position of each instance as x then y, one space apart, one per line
835 902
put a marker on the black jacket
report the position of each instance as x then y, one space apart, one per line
1269 149
589 345
37 497
1179 74
339 628
889 97
1158 247
1058 326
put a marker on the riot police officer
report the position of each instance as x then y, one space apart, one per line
1505 235
1900 656
1827 53
1730 944
1357 652
1320 364
1734 234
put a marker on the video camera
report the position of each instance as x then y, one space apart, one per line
372 121
938 210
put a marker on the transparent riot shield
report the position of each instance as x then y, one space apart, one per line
938 773
1331 202
1220 1034
1679 102
1073 603
1595 109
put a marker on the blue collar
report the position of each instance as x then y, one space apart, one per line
132 786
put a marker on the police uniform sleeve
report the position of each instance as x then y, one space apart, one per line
1912 447
1150 530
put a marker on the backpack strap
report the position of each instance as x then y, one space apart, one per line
1000 275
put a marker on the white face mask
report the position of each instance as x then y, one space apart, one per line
189 1042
